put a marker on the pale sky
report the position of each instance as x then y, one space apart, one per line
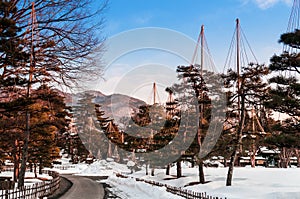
132 46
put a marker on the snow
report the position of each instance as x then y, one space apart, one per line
29 177
270 151
266 183
128 188
104 168
259 182
130 163
69 168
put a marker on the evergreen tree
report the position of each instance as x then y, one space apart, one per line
196 82
285 97
12 103
49 119
202 85
89 132
252 93
11 46
49 48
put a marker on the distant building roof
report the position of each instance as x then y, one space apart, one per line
268 151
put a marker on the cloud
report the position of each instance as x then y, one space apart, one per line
265 4
143 18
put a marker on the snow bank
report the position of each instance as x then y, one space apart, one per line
260 182
69 168
104 168
29 177
128 188
264 183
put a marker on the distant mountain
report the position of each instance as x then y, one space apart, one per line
116 106
72 98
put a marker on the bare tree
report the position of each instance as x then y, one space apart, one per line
54 42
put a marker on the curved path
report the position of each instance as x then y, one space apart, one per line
83 188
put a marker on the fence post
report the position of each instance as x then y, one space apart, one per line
176 190
6 194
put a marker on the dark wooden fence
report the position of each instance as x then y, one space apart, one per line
38 190
64 167
175 190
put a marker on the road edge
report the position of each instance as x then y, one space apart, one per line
64 186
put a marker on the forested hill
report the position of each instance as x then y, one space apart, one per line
115 106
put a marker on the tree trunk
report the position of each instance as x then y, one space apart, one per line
298 157
225 162
201 172
199 136
285 156
40 166
193 162
16 160
233 156
147 169
179 170
152 172
109 152
30 167
252 156
24 152
35 173
168 169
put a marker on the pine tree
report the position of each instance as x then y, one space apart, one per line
252 93
49 119
11 100
89 132
201 85
39 46
11 46
285 97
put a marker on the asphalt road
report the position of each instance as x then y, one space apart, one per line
83 188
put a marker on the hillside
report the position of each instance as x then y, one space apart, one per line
115 106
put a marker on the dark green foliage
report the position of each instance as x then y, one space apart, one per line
285 98
251 95
48 121
292 39
91 140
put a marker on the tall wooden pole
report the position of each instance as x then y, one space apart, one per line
202 49
154 93
238 61
27 122
200 167
201 79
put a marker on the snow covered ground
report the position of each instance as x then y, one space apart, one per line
29 177
260 183
128 188
104 168
266 183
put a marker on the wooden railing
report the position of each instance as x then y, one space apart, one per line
64 167
10 169
175 190
38 190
